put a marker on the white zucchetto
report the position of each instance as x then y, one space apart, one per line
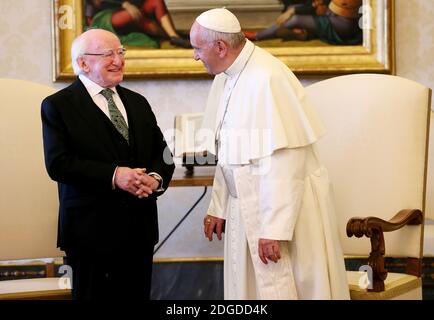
220 20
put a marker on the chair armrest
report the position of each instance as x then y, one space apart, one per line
373 228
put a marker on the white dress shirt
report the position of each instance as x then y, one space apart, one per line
94 91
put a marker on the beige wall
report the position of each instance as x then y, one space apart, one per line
25 53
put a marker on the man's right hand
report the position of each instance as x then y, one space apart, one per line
213 224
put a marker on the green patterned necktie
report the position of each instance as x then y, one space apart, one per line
115 115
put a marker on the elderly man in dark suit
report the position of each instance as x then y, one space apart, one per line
103 146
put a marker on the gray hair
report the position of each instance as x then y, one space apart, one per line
234 40
78 48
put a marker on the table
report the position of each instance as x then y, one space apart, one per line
201 176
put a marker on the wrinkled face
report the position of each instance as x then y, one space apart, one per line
203 51
107 71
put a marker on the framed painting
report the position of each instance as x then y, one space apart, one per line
155 34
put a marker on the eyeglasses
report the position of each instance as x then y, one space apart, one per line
108 53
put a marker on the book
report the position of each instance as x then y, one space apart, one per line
188 141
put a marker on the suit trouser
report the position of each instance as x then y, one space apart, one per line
122 275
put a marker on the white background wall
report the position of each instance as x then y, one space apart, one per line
25 53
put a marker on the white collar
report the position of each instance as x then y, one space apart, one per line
241 60
92 87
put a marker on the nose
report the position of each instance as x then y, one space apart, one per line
118 59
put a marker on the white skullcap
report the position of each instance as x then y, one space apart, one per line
220 20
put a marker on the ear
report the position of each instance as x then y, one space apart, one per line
83 64
222 48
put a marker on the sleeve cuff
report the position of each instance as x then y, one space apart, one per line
157 177
113 178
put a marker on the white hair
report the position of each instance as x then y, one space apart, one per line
234 40
78 48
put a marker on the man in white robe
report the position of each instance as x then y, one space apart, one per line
271 194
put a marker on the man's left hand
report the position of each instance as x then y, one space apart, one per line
145 183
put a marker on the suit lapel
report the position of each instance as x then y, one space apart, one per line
133 115
93 115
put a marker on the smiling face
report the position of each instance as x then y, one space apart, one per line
105 71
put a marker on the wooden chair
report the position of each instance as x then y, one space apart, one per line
428 250
376 151
28 198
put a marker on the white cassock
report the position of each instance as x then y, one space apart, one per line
270 184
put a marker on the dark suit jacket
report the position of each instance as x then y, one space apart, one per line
82 149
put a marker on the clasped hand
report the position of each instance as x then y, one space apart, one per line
135 181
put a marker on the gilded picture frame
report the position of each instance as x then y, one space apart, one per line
375 53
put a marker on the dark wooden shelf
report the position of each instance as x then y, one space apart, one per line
201 176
